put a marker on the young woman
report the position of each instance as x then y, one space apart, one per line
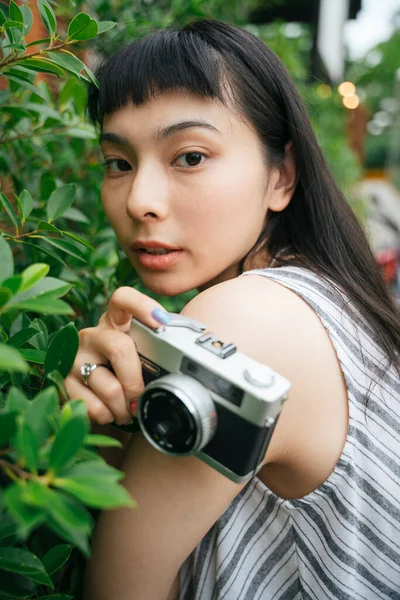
214 180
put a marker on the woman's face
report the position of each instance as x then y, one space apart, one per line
183 174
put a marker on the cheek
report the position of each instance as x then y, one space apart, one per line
115 209
228 202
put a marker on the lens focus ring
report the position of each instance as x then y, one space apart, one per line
168 399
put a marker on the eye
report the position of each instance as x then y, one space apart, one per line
116 165
190 159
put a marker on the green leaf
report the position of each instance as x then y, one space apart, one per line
15 13
39 42
26 444
74 214
41 413
14 586
82 27
60 200
67 61
89 76
43 110
26 516
32 274
11 360
21 337
56 378
41 65
5 295
14 76
48 16
44 305
65 246
16 400
105 26
45 226
13 283
73 408
74 536
55 558
34 356
26 202
77 238
12 24
84 132
6 260
8 426
62 350
8 526
24 562
82 470
27 17
98 492
48 286
93 439
68 442
2 18
9 209
67 511
45 251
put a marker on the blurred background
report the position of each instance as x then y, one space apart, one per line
344 56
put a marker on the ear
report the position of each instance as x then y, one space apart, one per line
283 181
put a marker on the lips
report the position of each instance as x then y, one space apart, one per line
156 255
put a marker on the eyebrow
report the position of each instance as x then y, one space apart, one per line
160 134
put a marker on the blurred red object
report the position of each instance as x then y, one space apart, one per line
388 262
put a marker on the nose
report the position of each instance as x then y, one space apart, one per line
148 195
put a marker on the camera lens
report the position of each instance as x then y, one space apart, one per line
168 421
176 414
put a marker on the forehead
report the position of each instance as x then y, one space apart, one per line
173 107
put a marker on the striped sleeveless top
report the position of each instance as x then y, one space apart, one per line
342 541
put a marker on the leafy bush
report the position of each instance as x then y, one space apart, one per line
50 471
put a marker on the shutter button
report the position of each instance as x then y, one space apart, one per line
259 377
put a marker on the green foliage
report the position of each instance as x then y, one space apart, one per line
45 448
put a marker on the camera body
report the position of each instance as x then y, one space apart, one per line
203 397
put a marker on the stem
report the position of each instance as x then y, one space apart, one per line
21 235
13 59
24 136
13 471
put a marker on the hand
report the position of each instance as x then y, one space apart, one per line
109 395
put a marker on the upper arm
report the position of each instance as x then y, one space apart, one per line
275 326
138 552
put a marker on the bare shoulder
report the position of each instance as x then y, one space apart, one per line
273 325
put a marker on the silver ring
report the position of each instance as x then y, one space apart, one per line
87 369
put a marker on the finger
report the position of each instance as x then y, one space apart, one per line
126 303
97 410
119 350
108 389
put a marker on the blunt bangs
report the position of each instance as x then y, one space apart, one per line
163 61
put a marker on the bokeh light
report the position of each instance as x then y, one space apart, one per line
347 88
351 101
324 90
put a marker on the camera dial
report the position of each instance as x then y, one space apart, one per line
177 414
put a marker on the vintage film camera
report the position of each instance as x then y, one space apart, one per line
203 397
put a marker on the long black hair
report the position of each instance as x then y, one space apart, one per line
317 229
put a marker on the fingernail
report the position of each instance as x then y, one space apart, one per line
133 407
161 316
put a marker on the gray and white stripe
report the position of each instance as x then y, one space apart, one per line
342 541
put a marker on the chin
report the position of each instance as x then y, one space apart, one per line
167 286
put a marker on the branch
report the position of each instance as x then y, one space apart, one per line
13 59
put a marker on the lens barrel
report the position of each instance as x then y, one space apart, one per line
177 414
